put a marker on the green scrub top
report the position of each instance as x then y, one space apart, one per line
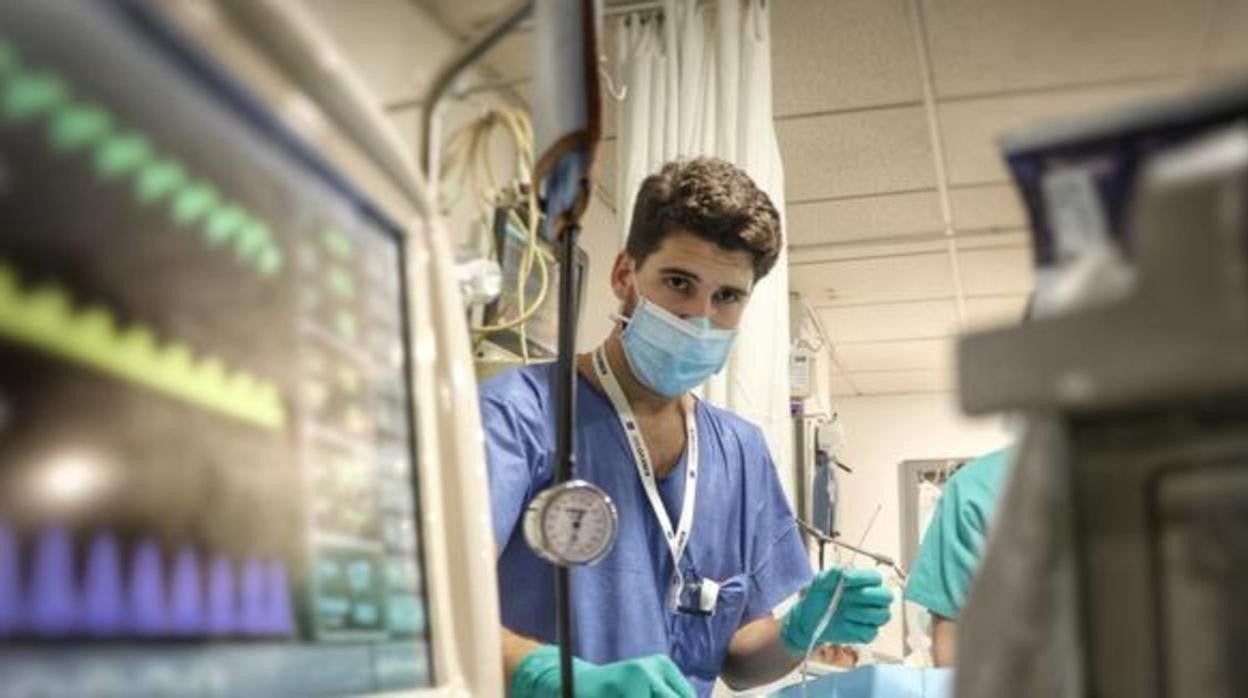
949 555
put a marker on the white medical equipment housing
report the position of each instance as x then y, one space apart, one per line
241 453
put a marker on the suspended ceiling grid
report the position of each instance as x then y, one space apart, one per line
902 224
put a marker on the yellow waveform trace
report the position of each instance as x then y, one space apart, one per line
45 319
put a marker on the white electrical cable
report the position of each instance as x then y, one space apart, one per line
469 164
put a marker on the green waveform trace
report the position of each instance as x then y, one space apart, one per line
115 152
44 318
192 203
121 155
223 223
79 126
158 180
29 96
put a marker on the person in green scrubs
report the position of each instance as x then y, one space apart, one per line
949 554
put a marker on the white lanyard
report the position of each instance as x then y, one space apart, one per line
676 539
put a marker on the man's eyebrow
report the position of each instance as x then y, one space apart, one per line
681 272
678 271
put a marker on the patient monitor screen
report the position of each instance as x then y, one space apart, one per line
206 455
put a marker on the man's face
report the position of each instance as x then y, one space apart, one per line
689 277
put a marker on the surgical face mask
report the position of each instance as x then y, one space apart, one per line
669 355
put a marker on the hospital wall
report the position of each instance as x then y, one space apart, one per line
880 433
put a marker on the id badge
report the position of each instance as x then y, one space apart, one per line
697 597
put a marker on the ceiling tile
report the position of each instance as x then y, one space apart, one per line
1227 48
925 354
889 321
996 239
863 218
867 152
995 271
902 382
971 127
909 277
837 55
990 207
982 47
883 247
989 313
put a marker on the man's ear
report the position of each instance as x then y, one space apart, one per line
622 276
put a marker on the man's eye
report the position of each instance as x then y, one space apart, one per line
728 297
677 283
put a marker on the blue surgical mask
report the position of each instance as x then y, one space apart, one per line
669 355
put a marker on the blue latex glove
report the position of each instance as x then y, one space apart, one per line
537 675
863 609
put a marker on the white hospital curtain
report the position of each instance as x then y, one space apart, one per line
698 78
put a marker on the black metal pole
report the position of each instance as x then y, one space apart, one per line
565 445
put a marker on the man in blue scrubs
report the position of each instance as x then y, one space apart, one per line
702 235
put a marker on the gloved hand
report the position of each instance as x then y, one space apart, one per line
863 609
537 676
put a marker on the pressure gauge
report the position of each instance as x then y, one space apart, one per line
574 523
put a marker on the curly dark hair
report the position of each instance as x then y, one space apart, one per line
712 199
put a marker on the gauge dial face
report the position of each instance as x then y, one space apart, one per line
577 524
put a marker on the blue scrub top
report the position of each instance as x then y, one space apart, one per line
948 558
744 535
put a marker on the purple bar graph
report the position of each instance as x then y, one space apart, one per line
252 619
10 582
278 618
120 595
148 616
221 617
53 611
103 597
186 616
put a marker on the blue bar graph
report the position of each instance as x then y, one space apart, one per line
279 619
186 617
59 591
221 619
148 615
252 606
53 611
103 598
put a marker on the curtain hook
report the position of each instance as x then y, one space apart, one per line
608 82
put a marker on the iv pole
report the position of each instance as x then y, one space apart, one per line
562 216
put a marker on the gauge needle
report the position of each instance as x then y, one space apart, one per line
577 516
